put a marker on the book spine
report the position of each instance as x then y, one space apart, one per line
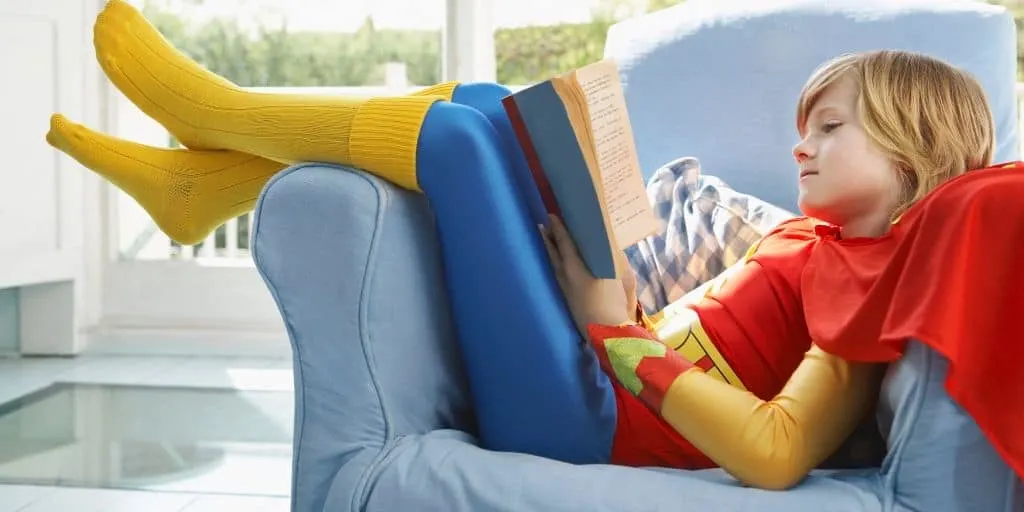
530 153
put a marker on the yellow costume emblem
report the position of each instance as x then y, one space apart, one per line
683 333
679 327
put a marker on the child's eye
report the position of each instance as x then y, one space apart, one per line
829 126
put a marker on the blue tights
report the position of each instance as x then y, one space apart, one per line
536 390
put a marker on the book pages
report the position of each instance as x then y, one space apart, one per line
625 197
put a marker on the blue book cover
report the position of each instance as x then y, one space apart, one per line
557 149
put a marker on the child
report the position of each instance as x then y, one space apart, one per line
886 138
725 411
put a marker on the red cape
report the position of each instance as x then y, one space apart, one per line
948 274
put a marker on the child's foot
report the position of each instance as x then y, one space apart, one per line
168 86
188 193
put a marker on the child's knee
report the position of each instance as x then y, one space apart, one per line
485 97
455 137
480 94
452 124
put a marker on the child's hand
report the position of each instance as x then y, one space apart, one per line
591 300
629 285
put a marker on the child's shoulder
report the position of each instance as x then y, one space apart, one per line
792 238
796 226
780 256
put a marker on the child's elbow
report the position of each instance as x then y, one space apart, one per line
772 471
777 480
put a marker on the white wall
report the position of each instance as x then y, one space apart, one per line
48 62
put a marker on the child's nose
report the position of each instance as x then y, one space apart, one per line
800 153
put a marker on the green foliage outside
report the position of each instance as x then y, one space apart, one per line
1017 8
279 57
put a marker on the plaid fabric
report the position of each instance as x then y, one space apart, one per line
705 228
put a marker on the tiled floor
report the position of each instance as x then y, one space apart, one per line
21 376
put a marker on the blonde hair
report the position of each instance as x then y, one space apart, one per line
930 117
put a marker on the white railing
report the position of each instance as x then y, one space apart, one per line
235 244
229 244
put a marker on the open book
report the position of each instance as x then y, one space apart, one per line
575 134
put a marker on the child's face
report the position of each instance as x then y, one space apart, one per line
844 177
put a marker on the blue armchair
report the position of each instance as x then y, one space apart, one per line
384 418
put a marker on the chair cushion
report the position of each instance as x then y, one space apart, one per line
444 472
719 80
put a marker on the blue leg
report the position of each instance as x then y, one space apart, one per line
535 389
486 98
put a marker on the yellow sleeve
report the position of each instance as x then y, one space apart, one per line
773 444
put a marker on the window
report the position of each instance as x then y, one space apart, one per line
537 39
312 43
351 47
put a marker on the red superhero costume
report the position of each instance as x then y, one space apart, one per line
946 275
748 330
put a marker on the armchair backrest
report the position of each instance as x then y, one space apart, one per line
719 79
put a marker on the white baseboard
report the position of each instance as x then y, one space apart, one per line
189 342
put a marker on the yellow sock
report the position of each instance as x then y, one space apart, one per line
188 193
204 110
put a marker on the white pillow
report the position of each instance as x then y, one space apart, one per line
706 226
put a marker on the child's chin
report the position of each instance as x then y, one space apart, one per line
811 208
806 202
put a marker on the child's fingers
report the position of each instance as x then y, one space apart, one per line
552 250
564 243
549 246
